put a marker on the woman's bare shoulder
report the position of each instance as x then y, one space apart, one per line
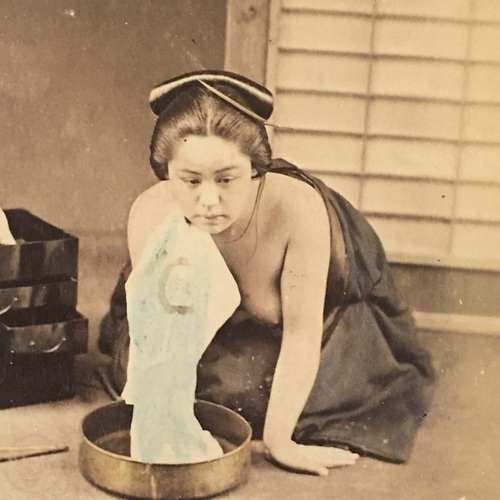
152 205
155 196
147 213
296 201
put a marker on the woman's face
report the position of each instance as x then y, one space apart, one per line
211 181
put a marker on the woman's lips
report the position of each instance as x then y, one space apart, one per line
212 219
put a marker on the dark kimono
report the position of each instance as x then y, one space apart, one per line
375 382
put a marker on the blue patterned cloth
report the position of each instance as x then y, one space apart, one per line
178 296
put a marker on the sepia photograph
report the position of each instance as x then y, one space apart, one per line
249 249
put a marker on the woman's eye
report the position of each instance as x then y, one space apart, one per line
193 182
225 180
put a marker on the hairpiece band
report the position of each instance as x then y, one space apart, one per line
237 105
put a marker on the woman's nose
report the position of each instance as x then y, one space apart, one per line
209 194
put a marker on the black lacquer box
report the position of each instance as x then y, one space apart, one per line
41 330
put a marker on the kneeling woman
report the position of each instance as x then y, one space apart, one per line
320 354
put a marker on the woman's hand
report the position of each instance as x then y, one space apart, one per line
310 459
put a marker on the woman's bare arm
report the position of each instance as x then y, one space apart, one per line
303 288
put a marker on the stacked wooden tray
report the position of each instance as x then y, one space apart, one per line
41 330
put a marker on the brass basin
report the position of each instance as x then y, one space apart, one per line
105 456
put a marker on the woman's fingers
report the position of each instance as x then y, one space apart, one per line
312 459
329 456
297 463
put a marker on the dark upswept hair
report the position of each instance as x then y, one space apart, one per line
198 111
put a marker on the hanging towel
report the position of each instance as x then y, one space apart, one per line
6 237
178 295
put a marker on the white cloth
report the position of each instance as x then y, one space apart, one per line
6 237
178 295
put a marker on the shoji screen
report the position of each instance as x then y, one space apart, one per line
396 104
